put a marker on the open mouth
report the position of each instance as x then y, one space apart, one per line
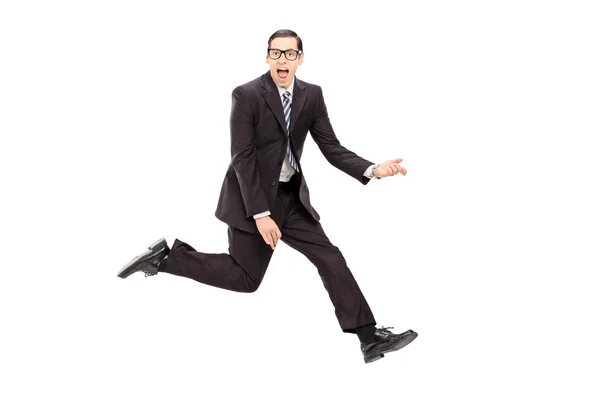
282 72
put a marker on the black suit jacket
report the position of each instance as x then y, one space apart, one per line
259 143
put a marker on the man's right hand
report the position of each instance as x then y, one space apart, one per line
268 230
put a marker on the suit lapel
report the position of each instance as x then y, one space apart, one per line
297 102
271 96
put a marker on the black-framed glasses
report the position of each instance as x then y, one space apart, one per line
290 54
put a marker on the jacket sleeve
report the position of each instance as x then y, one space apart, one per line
243 154
336 154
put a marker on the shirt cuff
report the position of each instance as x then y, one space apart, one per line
369 170
262 214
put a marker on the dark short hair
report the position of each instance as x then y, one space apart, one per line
286 33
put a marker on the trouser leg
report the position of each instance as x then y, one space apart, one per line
303 233
240 270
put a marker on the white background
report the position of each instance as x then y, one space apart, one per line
114 118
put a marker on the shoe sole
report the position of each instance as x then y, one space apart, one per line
401 343
154 248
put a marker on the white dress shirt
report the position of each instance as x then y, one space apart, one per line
287 170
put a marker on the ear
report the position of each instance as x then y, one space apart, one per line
301 59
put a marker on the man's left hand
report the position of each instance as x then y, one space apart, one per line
390 168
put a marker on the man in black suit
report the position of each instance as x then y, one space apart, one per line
265 197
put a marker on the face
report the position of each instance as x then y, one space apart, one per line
283 70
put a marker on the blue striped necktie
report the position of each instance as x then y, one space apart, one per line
287 111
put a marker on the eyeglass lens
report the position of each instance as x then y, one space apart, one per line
290 54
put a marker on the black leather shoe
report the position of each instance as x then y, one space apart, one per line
147 262
385 341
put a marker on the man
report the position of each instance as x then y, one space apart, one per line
264 197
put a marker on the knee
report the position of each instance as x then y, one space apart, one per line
249 277
251 288
333 258
251 285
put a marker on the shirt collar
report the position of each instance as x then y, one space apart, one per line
291 89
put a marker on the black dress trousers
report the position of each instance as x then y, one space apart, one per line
243 269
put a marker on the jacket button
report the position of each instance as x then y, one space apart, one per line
273 183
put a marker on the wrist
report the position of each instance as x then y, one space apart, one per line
374 171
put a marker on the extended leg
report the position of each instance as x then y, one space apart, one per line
303 233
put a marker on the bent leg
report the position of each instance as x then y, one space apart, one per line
240 270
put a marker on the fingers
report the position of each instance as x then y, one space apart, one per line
272 238
400 169
394 167
267 239
269 231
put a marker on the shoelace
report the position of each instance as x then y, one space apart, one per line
386 329
151 273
